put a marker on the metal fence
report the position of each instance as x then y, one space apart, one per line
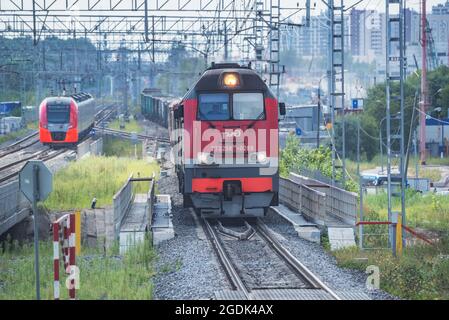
122 201
150 199
341 205
13 206
311 203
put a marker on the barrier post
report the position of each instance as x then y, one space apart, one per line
72 251
56 260
78 232
399 235
65 227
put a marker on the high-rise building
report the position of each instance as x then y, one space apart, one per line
367 34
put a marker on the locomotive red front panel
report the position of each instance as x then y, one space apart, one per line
58 121
228 165
65 120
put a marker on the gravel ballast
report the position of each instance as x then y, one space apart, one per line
320 262
186 266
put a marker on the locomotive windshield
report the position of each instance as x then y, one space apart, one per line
58 113
217 106
214 106
247 106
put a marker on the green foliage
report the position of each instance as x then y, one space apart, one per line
375 111
99 177
116 147
296 159
429 211
103 275
131 126
13 135
422 272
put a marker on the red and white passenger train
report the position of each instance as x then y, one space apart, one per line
224 134
63 121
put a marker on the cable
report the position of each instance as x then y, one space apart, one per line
427 115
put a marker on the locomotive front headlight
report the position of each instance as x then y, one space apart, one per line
204 158
262 157
231 80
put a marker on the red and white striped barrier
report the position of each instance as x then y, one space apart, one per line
64 231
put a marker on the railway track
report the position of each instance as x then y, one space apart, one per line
104 114
23 143
43 155
128 135
292 280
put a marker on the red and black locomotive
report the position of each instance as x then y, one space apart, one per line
224 134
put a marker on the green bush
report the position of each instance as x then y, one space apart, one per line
296 159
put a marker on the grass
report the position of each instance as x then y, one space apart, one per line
429 211
422 272
99 177
424 172
131 126
103 275
117 147
13 135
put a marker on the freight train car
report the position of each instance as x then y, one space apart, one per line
63 121
155 106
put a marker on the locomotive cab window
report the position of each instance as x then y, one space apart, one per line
248 106
58 113
213 106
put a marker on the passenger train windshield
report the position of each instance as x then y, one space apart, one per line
244 106
58 113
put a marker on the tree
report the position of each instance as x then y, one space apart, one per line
375 111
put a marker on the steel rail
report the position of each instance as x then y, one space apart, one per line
17 149
49 157
231 272
20 141
14 163
128 134
291 260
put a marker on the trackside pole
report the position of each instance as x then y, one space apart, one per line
56 260
36 230
67 224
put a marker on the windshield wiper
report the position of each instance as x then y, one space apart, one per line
260 116
208 121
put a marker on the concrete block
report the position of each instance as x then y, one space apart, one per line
162 234
312 234
341 237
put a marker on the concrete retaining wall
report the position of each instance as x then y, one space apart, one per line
13 206
89 147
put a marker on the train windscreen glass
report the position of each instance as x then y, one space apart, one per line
248 106
213 106
58 113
